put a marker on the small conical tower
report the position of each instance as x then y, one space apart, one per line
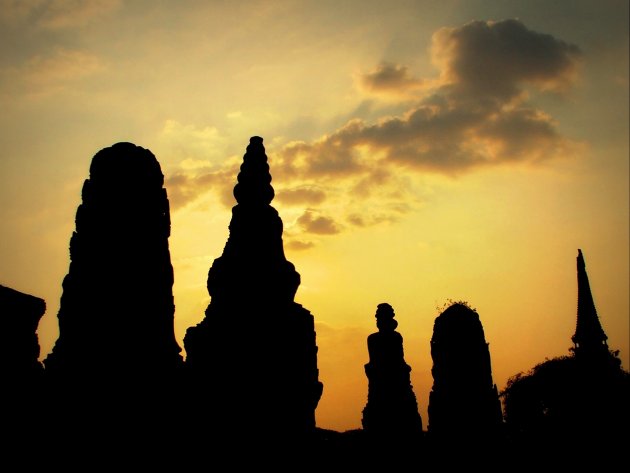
589 338
252 361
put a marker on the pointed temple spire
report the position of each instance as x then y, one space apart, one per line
589 335
252 360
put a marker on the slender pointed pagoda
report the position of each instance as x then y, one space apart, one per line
252 361
589 338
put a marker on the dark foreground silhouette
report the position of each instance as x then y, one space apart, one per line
391 413
255 343
577 405
464 406
116 392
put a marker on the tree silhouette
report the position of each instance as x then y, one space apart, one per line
576 406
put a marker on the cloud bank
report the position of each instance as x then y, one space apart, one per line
475 113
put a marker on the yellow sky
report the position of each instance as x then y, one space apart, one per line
420 152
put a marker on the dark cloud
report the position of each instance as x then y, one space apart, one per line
311 222
493 59
390 78
523 134
373 179
179 191
429 138
368 220
476 115
183 188
357 220
301 195
298 245
327 156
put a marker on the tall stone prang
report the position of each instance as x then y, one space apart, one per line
464 406
391 412
116 317
252 360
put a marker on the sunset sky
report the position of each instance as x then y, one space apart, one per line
421 152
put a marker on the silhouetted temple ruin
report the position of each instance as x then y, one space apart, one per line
117 312
579 403
20 369
464 405
115 385
116 352
19 351
391 411
253 359
589 338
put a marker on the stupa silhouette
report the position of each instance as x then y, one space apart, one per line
252 360
391 413
464 406
117 312
116 363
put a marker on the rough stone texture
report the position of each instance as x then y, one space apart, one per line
391 411
252 360
464 406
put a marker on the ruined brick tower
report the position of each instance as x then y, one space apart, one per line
117 311
114 372
464 406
